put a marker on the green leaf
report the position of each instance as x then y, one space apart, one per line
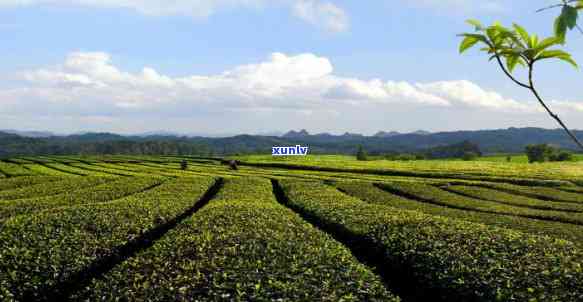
533 41
522 32
569 60
557 54
511 62
481 38
570 15
467 43
477 24
560 29
492 33
546 43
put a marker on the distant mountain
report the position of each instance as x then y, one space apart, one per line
94 137
295 134
489 141
386 134
29 133
421 132
352 135
159 133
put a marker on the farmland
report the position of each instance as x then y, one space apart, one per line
319 228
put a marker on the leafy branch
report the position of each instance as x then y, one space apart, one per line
567 20
512 47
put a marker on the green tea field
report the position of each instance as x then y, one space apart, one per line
319 228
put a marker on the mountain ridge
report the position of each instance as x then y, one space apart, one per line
511 140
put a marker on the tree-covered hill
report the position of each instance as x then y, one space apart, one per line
489 141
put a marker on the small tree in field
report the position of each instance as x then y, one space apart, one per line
564 156
183 165
469 155
361 154
539 153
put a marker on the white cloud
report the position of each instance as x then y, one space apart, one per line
322 14
467 94
88 83
377 91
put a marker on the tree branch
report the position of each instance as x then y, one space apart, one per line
540 100
549 7
508 73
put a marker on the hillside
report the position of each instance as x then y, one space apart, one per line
490 141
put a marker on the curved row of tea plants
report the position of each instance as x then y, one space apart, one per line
538 174
431 194
549 194
82 195
420 172
66 184
369 193
514 200
67 168
42 169
242 246
24 181
13 170
452 259
40 252
88 167
20 161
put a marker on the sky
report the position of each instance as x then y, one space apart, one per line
257 66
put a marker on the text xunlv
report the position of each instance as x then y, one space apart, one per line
285 151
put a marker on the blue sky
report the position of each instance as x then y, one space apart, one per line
233 66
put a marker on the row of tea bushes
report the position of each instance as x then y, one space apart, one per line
47 171
12 170
369 193
242 246
515 200
421 172
549 194
67 168
452 259
24 181
66 184
432 194
93 168
41 253
102 193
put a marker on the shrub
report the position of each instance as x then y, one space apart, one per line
454 151
45 249
563 156
469 155
361 154
544 152
370 193
454 260
242 246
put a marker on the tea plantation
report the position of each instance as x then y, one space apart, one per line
328 228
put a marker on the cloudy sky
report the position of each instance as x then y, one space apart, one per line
256 66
